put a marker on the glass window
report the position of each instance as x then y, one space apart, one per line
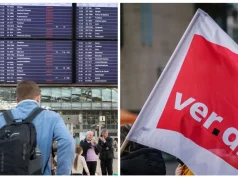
67 98
86 98
13 95
66 106
76 106
46 95
56 106
107 98
108 120
114 105
56 95
45 105
96 116
91 119
76 94
114 95
106 106
107 115
75 112
97 98
85 118
109 127
96 95
87 106
63 112
86 95
114 120
6 94
96 106
106 95
66 94
5 99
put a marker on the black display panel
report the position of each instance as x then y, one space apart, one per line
41 61
96 62
59 43
97 21
36 20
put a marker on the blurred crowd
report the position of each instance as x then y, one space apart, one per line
87 154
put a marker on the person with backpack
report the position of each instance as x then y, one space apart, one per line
79 163
27 133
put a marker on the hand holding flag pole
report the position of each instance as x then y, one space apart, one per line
123 146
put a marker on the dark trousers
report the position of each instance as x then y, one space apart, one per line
92 166
106 167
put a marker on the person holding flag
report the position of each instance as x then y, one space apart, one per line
192 110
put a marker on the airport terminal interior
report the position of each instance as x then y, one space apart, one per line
71 51
80 107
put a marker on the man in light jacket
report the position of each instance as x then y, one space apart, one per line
49 126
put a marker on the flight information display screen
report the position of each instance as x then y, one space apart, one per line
97 20
41 61
96 62
59 43
36 20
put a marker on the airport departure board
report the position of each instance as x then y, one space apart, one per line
97 62
97 20
41 61
36 21
59 43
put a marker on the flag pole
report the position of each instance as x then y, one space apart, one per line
123 146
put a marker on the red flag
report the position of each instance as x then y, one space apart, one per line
192 112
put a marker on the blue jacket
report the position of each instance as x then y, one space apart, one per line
49 126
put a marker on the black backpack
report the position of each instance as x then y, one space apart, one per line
18 154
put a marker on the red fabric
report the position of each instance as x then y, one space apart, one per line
209 74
